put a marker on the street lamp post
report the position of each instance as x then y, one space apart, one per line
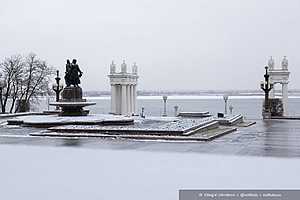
143 113
225 97
57 87
165 106
231 109
266 86
176 110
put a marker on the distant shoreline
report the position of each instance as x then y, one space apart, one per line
246 93
193 97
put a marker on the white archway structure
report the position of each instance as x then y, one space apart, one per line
280 76
123 90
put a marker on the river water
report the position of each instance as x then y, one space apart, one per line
249 106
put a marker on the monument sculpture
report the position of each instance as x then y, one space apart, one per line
284 63
123 90
72 102
72 74
271 63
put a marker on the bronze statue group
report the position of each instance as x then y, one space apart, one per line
72 74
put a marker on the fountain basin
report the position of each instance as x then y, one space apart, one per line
73 108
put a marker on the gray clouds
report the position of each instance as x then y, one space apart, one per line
201 44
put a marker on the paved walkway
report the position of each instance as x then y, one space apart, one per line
276 138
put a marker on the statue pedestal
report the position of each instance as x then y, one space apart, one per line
266 115
72 94
276 109
72 102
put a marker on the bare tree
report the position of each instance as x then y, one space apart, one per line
11 68
16 87
25 79
35 80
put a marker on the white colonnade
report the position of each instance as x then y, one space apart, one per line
123 90
280 76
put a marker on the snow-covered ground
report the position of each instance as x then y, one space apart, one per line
150 123
55 118
31 172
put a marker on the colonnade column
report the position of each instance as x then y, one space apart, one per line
128 99
285 98
131 99
118 99
124 99
134 99
113 99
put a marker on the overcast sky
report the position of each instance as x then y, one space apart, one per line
183 45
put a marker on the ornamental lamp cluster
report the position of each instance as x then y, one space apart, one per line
266 86
57 87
